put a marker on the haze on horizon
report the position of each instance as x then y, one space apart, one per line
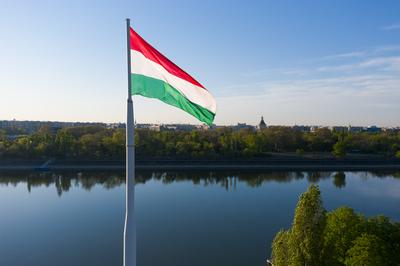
308 62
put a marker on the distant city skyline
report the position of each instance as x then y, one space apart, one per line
295 63
7 123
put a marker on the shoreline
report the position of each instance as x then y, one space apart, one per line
184 165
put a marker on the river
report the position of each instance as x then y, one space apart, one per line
183 218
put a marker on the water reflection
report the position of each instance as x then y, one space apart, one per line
173 209
228 180
339 179
63 181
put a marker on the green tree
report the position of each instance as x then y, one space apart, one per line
381 227
340 237
114 145
89 146
300 152
21 147
280 248
368 250
306 237
64 142
2 135
3 148
339 149
43 142
343 226
321 140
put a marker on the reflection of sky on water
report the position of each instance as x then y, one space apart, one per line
376 188
77 218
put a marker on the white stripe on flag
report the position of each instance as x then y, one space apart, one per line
143 66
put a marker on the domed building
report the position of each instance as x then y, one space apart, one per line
262 124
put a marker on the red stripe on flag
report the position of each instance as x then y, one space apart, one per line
139 44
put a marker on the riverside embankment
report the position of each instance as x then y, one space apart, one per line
287 164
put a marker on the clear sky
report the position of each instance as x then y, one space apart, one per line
294 62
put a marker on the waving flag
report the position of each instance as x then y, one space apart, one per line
155 76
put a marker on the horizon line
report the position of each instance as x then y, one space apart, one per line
200 124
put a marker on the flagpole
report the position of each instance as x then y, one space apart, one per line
130 223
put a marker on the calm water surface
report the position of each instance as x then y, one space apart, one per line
185 218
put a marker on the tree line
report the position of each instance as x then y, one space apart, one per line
97 142
339 237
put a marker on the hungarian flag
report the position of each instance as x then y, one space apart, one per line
155 76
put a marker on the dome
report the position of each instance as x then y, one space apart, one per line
262 123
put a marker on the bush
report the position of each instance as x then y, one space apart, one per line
339 149
300 152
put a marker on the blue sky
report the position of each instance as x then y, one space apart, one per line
294 62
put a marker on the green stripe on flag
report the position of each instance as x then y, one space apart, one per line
155 88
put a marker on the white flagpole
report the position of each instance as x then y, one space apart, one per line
130 223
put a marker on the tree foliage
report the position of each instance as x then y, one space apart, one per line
339 149
280 248
339 237
306 235
368 250
97 142
342 228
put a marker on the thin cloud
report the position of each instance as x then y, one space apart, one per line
342 99
388 48
345 55
367 55
341 89
370 76
391 63
395 26
388 63
275 71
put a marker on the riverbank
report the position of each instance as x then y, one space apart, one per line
273 164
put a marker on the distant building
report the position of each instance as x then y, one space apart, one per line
142 126
353 129
168 127
115 125
314 128
155 128
30 127
182 127
240 126
391 129
301 128
373 129
262 124
203 127
14 128
339 128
